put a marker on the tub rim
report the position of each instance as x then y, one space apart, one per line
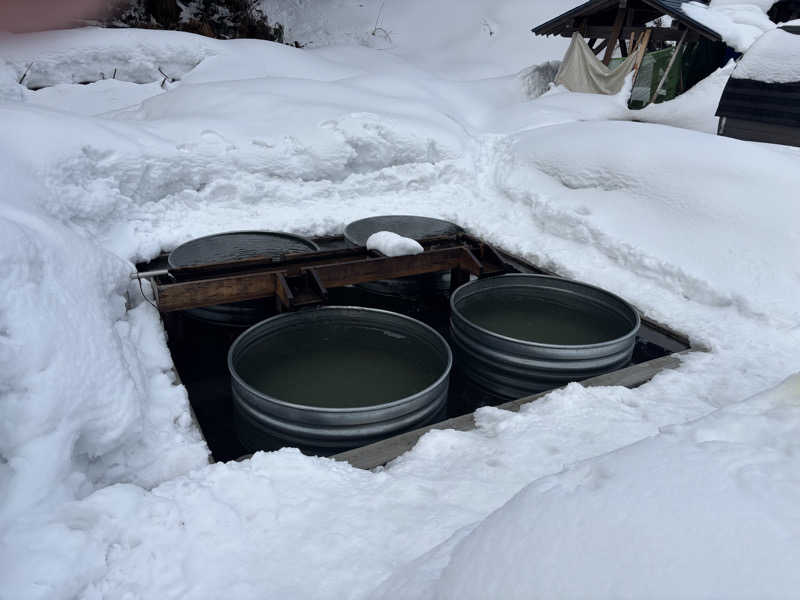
314 247
454 312
442 379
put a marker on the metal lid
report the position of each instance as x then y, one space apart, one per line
410 226
237 245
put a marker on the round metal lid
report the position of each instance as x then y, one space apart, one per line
410 226
237 245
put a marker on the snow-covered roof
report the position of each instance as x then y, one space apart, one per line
738 25
774 58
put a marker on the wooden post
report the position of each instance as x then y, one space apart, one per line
669 66
615 33
623 47
641 48
600 47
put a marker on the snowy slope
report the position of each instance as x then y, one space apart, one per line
736 535
105 491
456 39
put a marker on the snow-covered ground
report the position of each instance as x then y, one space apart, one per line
683 487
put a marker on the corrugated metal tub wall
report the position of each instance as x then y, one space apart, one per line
334 378
519 334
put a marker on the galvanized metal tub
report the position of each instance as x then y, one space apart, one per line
230 247
264 360
410 226
515 357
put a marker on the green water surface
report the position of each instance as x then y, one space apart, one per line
340 366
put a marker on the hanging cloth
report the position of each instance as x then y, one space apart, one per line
581 71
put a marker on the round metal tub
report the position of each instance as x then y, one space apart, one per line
334 378
519 334
410 226
229 247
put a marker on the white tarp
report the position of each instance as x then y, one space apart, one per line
581 71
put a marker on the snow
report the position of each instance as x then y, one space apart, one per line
456 39
91 54
610 535
694 109
774 58
77 408
389 243
105 490
739 23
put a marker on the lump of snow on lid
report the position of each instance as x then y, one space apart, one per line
389 243
774 58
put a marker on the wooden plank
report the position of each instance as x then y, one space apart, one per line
380 453
329 272
599 48
644 40
669 67
218 290
623 47
282 291
658 34
615 33
341 274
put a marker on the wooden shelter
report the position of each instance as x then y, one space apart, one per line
690 51
606 23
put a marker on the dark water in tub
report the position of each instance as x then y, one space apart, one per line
340 367
544 320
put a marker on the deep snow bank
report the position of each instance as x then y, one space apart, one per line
619 191
91 70
88 397
701 510
458 39
92 54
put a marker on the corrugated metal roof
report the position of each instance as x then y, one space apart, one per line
777 103
552 26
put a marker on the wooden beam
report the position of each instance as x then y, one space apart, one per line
599 48
341 274
333 270
669 67
623 48
282 291
615 33
641 48
380 453
217 290
658 34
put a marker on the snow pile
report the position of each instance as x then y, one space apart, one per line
93 54
694 109
617 191
648 521
122 67
465 39
88 397
774 58
389 243
739 23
